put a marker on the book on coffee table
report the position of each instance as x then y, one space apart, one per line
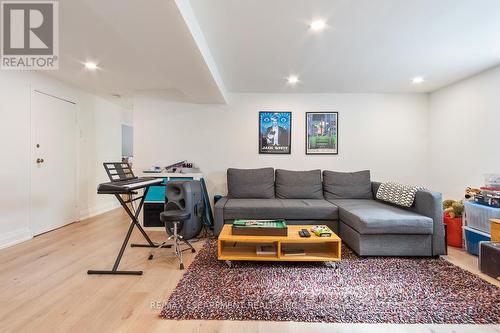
294 252
265 250
321 231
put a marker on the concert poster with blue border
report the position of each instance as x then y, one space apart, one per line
275 132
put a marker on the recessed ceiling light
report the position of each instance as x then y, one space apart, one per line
317 25
90 65
292 79
417 80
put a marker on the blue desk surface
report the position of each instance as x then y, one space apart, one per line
157 193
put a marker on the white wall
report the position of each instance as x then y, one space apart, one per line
100 138
464 124
386 133
100 141
446 141
14 158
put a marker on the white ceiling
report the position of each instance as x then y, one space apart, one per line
369 46
139 45
197 49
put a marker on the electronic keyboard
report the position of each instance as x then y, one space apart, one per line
123 181
127 186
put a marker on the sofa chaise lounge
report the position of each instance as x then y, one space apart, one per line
346 202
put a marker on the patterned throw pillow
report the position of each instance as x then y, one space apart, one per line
398 194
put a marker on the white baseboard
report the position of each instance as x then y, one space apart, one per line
15 237
18 236
88 213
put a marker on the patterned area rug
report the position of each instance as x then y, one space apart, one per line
361 290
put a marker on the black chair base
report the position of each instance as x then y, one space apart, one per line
176 239
91 272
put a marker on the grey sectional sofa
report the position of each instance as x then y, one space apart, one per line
343 201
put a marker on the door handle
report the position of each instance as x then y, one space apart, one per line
39 160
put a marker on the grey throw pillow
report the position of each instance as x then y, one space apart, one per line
250 183
299 184
347 185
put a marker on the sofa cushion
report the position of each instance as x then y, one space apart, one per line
250 183
305 209
299 184
347 185
374 217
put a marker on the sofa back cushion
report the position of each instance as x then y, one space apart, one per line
250 183
299 184
347 185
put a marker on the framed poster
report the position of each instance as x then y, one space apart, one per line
275 132
322 130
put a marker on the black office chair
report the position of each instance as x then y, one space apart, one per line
173 217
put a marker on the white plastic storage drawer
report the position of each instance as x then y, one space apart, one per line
478 216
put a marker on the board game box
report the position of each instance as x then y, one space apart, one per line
260 227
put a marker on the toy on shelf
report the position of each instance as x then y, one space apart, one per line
470 192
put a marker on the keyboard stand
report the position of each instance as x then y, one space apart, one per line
134 222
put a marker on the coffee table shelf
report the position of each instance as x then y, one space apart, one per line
241 247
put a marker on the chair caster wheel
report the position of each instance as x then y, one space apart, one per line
193 250
150 257
332 264
181 266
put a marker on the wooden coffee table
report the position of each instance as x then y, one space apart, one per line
240 247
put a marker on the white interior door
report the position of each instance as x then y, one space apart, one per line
53 170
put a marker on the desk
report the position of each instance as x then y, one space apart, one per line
194 176
155 200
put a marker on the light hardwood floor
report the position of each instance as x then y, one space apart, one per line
44 287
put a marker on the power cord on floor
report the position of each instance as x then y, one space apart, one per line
205 233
